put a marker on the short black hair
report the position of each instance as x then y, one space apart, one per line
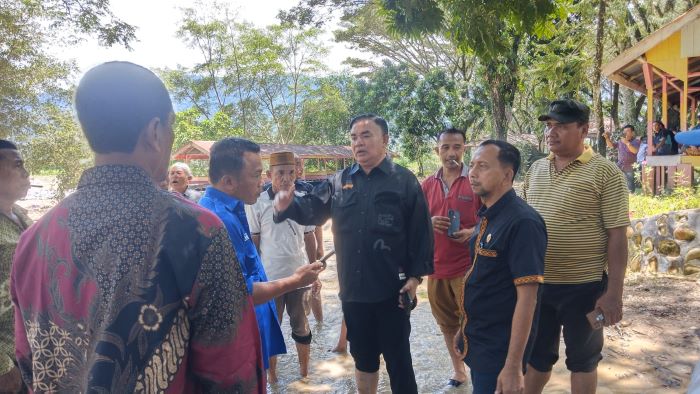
508 154
628 126
226 157
5 144
115 101
452 130
375 118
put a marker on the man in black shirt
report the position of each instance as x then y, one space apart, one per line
501 290
382 234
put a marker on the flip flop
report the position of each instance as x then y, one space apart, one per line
454 383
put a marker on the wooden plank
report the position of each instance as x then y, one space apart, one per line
664 99
648 79
627 83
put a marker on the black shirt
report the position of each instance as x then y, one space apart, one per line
303 186
508 250
381 226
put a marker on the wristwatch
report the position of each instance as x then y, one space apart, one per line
418 278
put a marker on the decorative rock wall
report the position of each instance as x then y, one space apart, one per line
667 243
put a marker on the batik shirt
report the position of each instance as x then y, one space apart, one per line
232 212
9 236
123 287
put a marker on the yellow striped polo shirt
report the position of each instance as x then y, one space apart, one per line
578 204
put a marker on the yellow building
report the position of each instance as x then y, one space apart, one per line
665 66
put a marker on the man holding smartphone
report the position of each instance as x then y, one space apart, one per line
584 200
453 206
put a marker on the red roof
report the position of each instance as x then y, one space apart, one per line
200 150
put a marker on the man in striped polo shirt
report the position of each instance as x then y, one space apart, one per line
584 202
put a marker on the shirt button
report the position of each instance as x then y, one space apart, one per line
362 212
359 251
359 231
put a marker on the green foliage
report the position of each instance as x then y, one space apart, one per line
325 113
59 146
680 198
29 77
190 125
258 77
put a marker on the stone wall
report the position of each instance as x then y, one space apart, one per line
666 243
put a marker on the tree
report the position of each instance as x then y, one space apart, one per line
58 144
367 31
325 112
492 31
495 40
258 77
28 77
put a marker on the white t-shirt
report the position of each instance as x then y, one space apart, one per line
282 248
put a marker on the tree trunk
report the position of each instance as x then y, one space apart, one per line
615 107
597 98
629 114
498 108
501 75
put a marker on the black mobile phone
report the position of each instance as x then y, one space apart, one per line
454 222
407 303
326 257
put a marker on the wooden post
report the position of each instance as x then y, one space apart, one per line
664 100
693 110
684 106
649 84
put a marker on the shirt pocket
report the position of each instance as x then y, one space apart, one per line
345 210
388 218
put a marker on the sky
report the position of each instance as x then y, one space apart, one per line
158 47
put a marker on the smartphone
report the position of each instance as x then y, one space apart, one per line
596 318
454 223
326 257
407 303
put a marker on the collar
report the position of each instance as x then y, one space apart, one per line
21 213
584 157
492 211
385 166
108 175
464 173
218 196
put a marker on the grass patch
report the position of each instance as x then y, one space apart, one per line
642 206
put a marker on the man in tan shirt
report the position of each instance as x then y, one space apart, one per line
14 184
584 201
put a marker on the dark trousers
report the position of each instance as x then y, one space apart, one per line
484 382
381 328
629 177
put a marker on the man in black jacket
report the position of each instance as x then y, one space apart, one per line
382 235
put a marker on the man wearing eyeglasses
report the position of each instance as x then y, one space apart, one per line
583 199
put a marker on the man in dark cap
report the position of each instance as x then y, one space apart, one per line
584 201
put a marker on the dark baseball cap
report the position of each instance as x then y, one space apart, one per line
566 111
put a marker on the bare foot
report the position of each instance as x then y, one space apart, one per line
271 377
339 349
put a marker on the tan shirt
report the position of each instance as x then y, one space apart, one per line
9 236
579 204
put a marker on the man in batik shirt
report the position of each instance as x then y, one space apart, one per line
14 184
124 287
